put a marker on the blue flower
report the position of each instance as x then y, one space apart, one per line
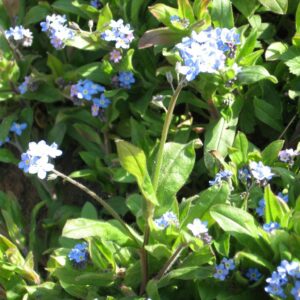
23 87
288 156
244 175
260 172
57 31
20 35
18 128
101 102
126 79
295 291
166 220
96 3
221 272
275 290
222 175
253 274
119 33
269 227
260 210
79 254
228 263
175 18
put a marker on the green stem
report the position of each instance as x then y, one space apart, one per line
112 212
164 135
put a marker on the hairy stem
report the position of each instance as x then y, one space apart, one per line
164 135
169 263
112 212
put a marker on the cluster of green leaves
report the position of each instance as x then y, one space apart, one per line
263 104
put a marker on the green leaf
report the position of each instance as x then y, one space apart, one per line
65 6
205 200
177 165
268 114
248 46
55 65
247 8
45 93
89 211
5 127
36 14
252 74
220 135
163 13
241 225
275 209
240 156
270 153
6 156
104 18
185 10
133 160
221 13
276 6
275 50
254 258
294 65
85 228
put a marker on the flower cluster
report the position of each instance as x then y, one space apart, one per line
222 175
119 33
286 273
269 227
260 210
36 160
260 172
253 274
199 229
207 51
57 30
222 270
166 220
245 176
20 35
288 156
90 91
79 254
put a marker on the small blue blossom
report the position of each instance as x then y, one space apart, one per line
260 172
260 210
198 227
21 35
253 274
295 291
101 102
96 3
120 33
269 227
166 220
23 87
288 156
175 18
222 175
228 263
244 175
275 290
126 79
18 128
57 31
79 254
221 272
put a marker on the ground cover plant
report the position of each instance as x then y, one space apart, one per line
149 149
